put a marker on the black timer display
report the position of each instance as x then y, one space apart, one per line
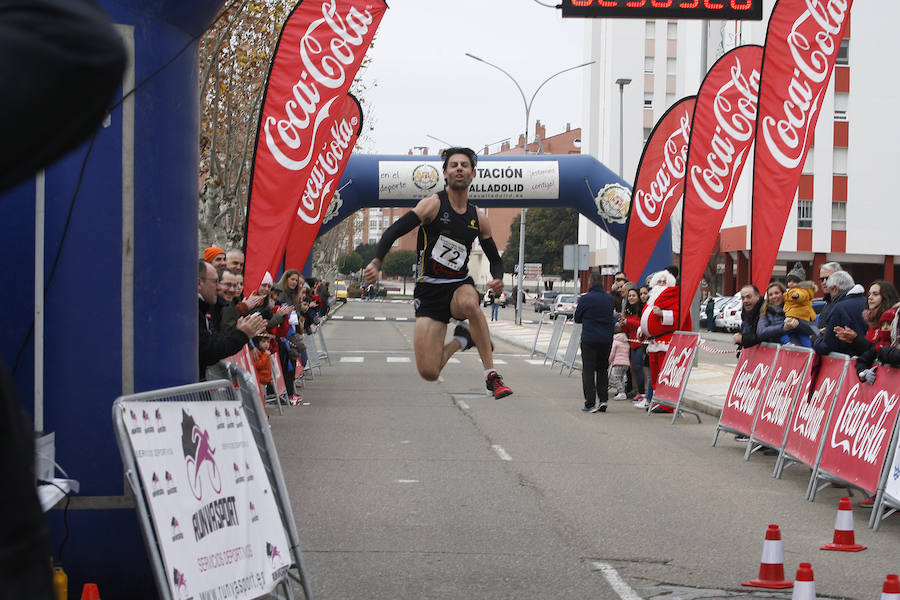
732 10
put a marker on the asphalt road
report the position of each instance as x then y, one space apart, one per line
403 488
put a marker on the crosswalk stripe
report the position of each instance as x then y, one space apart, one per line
352 359
398 359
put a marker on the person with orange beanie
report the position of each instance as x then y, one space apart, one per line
215 256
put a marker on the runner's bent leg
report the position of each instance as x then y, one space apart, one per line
428 343
465 306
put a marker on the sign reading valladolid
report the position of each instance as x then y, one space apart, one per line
212 507
410 180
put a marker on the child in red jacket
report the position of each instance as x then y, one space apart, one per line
262 362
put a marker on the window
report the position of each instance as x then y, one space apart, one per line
670 66
804 214
841 99
650 30
808 165
648 64
839 161
838 216
843 56
672 30
648 99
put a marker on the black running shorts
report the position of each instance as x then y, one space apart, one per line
432 300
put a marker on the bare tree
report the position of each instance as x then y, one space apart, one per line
235 54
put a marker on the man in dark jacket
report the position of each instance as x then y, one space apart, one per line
595 312
215 345
751 302
848 301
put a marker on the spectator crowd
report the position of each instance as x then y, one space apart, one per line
271 318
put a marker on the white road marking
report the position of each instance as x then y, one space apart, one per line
407 481
534 361
352 359
401 318
454 361
337 317
462 405
498 361
615 582
398 359
503 454
359 317
381 318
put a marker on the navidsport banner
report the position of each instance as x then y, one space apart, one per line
802 44
658 185
323 182
721 135
319 52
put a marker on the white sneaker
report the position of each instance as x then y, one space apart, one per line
642 403
620 396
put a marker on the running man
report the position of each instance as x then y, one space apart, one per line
448 224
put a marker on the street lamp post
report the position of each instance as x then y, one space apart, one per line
622 82
527 104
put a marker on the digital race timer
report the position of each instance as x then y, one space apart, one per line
735 10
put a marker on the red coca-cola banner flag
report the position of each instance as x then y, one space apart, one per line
859 434
676 367
778 400
721 136
658 185
323 182
277 375
319 52
802 44
245 362
811 413
747 385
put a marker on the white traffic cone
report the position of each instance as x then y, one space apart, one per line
844 539
771 566
891 589
804 585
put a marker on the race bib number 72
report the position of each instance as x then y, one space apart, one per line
449 253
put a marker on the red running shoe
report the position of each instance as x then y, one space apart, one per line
495 386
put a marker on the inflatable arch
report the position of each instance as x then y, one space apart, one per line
542 180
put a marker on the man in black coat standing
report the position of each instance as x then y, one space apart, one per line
751 303
595 312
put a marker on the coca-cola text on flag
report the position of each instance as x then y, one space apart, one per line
745 392
658 185
781 393
802 44
721 136
318 54
323 181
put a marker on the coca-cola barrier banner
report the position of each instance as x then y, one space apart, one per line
673 374
859 434
318 54
244 361
658 185
721 136
802 44
778 401
811 414
323 181
746 389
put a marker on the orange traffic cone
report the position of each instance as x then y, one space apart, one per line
90 592
771 566
804 586
843 530
891 589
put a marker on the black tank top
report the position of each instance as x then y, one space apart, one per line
444 244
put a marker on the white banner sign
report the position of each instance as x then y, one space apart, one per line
513 180
213 510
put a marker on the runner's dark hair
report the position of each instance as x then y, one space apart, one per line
446 154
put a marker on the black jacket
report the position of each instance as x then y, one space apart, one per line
749 322
215 345
595 311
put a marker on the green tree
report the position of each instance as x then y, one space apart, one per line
547 230
366 251
350 263
399 263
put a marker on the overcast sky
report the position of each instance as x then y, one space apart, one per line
421 82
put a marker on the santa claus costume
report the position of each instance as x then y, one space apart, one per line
658 322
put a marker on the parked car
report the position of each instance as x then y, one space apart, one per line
340 290
502 300
565 306
730 307
545 300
